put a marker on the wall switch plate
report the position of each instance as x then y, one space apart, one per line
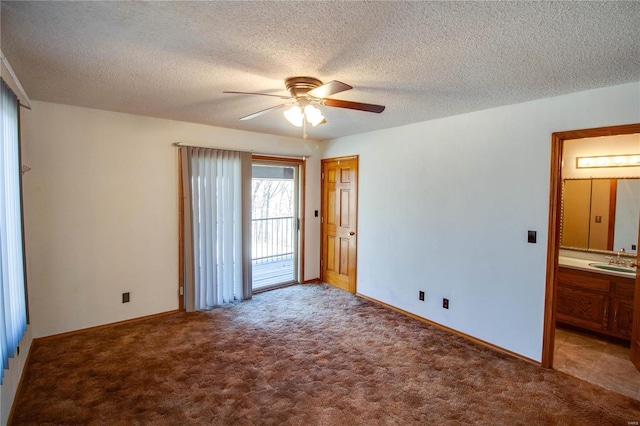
421 295
125 297
531 236
445 303
315 213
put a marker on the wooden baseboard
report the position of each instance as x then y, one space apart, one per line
19 387
450 330
312 281
98 327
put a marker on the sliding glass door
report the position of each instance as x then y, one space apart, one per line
275 220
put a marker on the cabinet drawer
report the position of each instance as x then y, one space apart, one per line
624 288
583 280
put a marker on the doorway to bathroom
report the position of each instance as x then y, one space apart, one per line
582 351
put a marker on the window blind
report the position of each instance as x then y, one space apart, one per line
13 313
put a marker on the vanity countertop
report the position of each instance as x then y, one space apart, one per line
583 265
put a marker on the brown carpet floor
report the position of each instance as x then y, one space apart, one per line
303 355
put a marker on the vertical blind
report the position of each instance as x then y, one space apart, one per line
13 313
217 260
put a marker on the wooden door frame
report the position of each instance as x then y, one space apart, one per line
322 206
302 163
635 325
553 236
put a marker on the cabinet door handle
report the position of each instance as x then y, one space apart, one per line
615 317
605 317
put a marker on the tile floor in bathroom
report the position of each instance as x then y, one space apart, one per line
597 361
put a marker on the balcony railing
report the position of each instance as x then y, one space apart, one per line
272 250
272 239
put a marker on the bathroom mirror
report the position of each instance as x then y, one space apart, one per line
600 214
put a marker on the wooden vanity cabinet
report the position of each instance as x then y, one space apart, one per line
596 302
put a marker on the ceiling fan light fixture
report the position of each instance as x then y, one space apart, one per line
305 91
313 115
294 115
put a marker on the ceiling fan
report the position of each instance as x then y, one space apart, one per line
305 93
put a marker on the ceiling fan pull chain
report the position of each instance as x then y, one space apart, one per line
304 128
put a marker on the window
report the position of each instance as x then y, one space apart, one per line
13 312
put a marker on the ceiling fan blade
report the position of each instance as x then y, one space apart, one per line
328 89
259 94
264 111
353 105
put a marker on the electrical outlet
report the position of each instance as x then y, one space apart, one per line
633 247
445 303
531 237
421 295
125 297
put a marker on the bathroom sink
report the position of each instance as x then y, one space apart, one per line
616 268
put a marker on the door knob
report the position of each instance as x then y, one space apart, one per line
352 233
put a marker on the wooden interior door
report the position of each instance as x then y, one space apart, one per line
339 215
635 331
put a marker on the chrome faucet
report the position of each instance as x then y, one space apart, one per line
617 260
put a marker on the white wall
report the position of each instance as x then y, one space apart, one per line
445 205
101 211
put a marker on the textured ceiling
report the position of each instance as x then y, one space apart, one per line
422 60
